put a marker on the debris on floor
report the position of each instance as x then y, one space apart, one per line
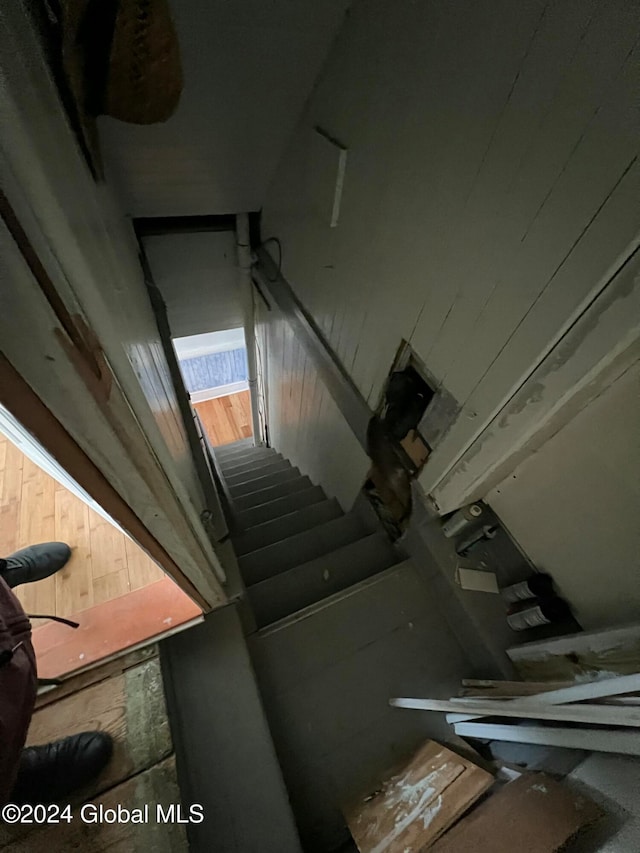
609 706
533 814
418 803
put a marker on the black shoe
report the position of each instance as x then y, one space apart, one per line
34 563
50 773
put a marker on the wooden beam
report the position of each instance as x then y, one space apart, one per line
490 688
596 740
573 656
576 693
590 714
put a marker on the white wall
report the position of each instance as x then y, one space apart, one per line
574 506
197 276
305 424
248 67
491 183
196 345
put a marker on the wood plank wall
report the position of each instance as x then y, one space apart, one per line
492 181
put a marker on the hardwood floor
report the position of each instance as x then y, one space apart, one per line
226 419
35 508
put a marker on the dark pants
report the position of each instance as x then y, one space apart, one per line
18 684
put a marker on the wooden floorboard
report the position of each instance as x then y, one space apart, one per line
130 706
34 508
226 419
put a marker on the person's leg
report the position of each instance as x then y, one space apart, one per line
34 563
50 773
35 774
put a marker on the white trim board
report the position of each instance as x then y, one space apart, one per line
596 740
576 693
220 391
591 714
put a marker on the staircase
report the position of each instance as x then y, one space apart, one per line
279 702
295 546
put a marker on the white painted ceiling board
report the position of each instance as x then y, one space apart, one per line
248 68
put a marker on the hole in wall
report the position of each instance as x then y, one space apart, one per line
394 444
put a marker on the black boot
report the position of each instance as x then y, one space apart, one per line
34 563
49 773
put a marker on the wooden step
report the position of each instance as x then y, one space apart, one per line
233 446
248 455
263 496
278 507
287 525
256 484
292 590
233 470
254 472
300 548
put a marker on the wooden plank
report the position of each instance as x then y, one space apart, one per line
36 523
142 569
74 683
590 714
74 588
10 489
418 803
158 785
12 474
113 627
542 815
129 706
111 586
107 547
575 693
489 688
9 518
595 739
611 650
584 692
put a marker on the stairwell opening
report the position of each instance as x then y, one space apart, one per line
215 373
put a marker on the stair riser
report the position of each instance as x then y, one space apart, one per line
256 484
298 549
309 583
266 495
236 470
288 525
253 455
241 444
279 507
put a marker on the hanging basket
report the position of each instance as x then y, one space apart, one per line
144 78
